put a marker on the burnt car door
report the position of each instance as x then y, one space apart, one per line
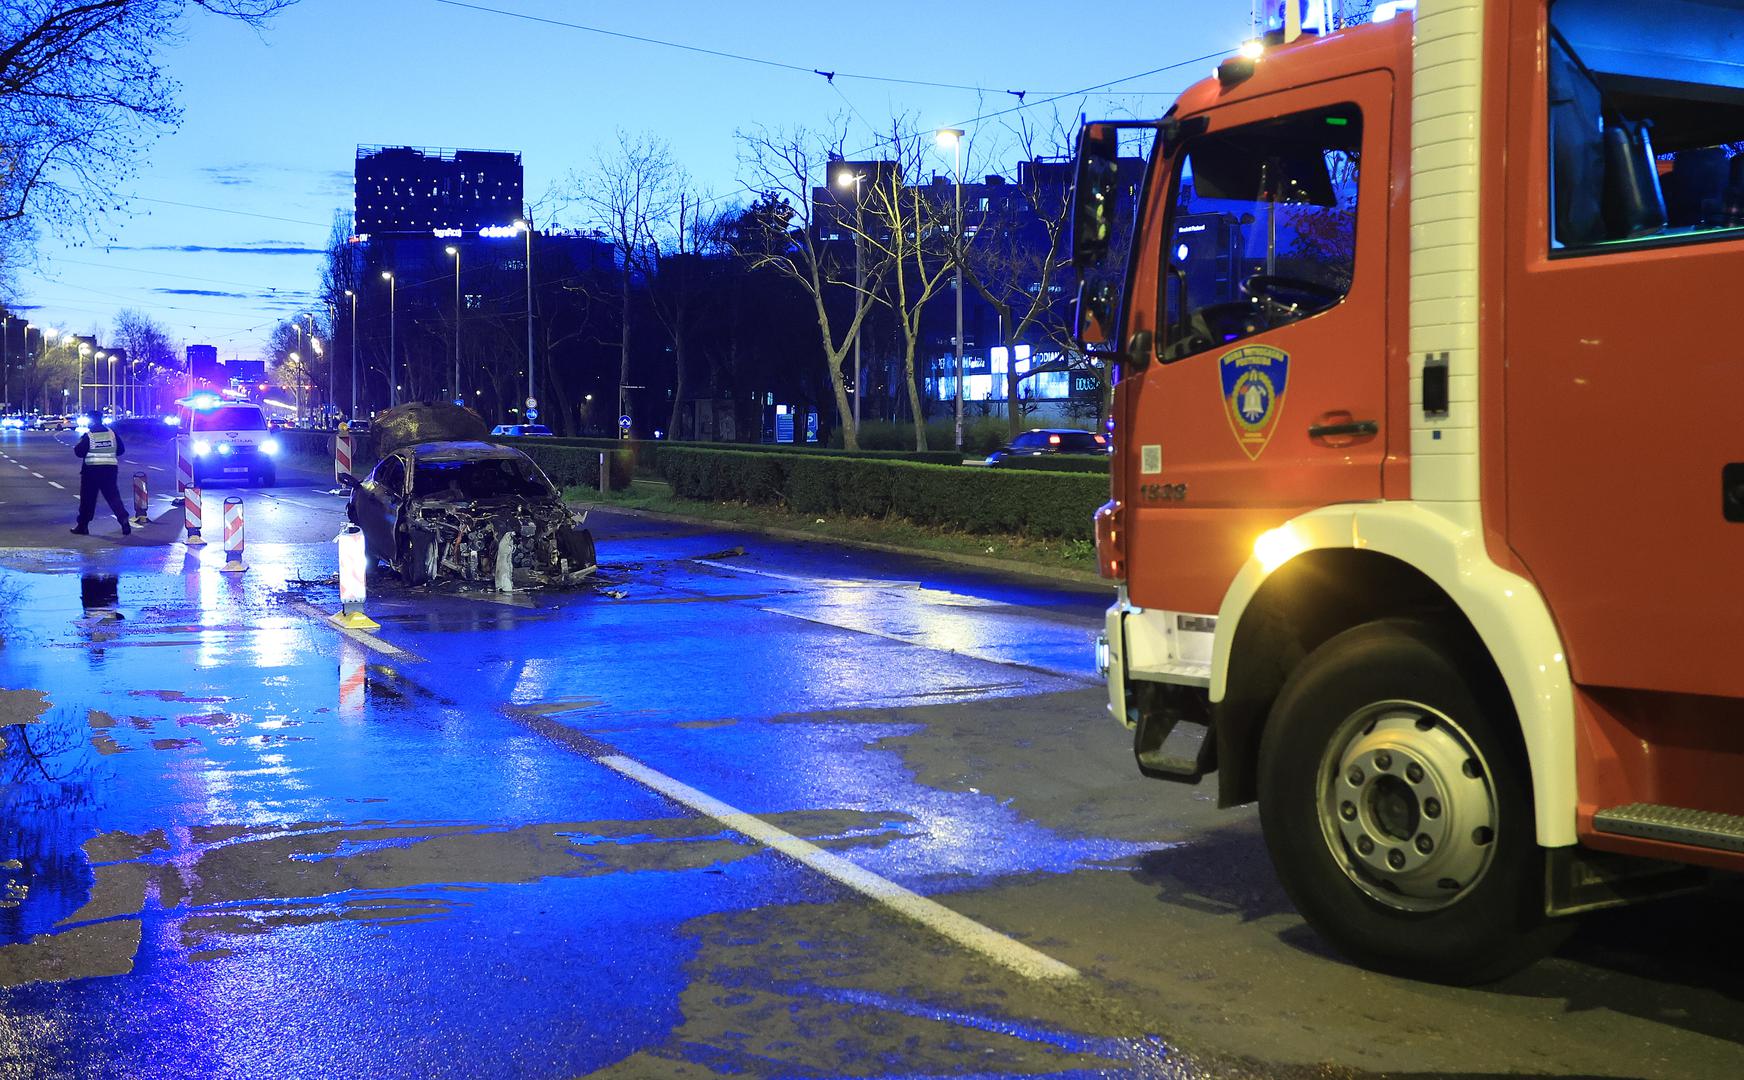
377 503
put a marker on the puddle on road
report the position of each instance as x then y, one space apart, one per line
848 990
228 882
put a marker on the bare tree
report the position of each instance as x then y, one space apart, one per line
908 228
80 82
1019 261
146 342
637 195
782 232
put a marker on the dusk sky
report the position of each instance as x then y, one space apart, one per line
231 212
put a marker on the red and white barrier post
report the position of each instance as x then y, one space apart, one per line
353 563
191 516
341 455
184 465
233 563
141 500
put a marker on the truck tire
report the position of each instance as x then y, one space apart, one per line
1397 807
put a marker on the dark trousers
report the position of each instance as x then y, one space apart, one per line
100 479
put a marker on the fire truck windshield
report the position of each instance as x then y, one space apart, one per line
1262 228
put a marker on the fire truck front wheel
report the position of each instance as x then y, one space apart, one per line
1397 809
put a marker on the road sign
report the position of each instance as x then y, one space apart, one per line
532 403
624 423
532 414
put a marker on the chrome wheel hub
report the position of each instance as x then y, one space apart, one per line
1407 805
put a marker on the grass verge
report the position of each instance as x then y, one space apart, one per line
1076 556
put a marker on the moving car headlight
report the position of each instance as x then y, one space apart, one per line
224 448
269 446
202 448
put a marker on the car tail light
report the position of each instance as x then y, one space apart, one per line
1111 540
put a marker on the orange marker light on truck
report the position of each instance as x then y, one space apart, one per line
1110 541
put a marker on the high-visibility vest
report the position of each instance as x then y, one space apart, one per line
102 450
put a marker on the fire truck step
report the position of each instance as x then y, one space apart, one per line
1675 824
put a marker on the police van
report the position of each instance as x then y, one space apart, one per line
231 440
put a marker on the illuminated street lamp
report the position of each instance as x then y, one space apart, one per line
393 387
297 373
84 350
954 136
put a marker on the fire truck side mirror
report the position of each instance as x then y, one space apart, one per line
1094 193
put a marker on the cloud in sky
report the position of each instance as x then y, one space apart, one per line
203 292
264 248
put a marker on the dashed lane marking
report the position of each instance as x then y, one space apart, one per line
52 484
155 468
38 475
961 929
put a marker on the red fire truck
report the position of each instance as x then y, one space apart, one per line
1428 495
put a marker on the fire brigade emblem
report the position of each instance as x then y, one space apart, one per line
1254 380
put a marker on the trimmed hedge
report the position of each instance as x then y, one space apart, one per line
1073 463
575 466
645 453
1033 504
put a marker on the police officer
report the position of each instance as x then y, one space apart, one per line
100 449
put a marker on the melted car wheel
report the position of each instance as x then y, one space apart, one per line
1397 807
417 557
576 545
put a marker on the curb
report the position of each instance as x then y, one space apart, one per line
1061 576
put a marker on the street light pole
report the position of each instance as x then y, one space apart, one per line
454 251
353 295
532 384
6 355
955 137
858 179
393 391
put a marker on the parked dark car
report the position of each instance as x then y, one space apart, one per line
1052 441
458 510
520 429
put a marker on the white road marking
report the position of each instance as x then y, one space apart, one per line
155 468
942 920
362 637
52 484
824 583
37 475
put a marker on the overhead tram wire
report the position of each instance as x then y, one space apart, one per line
1020 107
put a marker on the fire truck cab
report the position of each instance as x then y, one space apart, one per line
1428 491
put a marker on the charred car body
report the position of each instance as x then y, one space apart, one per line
469 511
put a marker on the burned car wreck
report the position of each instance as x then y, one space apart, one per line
471 512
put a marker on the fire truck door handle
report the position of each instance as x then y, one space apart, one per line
1354 427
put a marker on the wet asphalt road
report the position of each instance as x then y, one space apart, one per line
506 836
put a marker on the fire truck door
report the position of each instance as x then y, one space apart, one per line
1625 434
1267 394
